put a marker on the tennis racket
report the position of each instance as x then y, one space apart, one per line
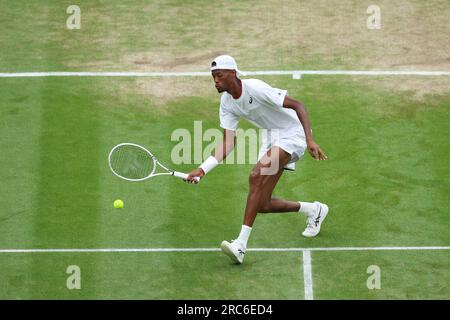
133 162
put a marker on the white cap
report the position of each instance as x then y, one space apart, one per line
225 62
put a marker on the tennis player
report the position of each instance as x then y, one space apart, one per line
287 135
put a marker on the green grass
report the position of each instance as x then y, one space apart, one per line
382 181
152 276
172 35
406 275
386 180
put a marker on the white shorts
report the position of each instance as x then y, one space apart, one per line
294 144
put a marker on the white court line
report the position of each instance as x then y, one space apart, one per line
74 250
307 275
294 73
99 250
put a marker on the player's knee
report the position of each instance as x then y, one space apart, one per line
264 208
255 178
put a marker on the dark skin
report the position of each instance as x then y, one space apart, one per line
267 172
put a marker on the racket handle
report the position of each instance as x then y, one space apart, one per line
183 176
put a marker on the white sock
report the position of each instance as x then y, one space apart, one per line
307 207
244 235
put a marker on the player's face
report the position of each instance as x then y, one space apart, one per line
222 79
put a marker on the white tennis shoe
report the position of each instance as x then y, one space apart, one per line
314 221
235 250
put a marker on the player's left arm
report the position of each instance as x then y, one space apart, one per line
300 109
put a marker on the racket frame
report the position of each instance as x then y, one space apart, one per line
156 163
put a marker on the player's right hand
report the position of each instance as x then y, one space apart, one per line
193 174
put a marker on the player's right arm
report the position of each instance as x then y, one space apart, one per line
221 152
228 144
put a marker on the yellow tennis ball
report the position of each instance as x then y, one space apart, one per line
118 204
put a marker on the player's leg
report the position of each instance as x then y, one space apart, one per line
263 179
274 205
315 212
261 189
263 186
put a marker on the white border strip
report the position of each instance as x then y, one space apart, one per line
216 249
294 73
307 275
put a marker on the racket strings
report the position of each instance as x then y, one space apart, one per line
131 162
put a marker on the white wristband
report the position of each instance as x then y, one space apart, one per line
209 164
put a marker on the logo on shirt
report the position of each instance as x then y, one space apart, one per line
251 100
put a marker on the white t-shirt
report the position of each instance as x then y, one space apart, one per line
262 106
